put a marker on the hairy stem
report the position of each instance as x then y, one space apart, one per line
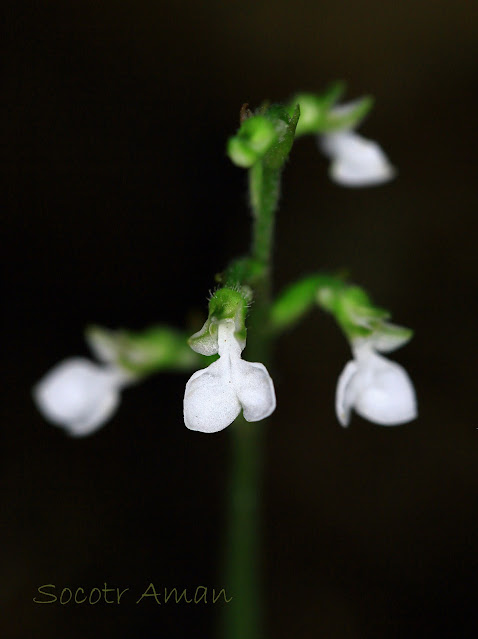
264 189
243 616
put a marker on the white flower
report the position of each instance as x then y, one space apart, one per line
376 388
356 161
79 395
215 395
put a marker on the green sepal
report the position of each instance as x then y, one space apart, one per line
314 108
349 118
226 304
360 318
158 348
356 305
387 337
320 114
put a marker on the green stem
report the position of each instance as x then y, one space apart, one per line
243 616
264 189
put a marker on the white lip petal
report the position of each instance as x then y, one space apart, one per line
356 161
385 394
254 389
89 423
351 175
345 393
215 395
78 395
210 401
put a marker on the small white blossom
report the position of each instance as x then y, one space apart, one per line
79 395
376 388
215 395
356 161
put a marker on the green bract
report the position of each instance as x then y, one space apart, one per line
285 126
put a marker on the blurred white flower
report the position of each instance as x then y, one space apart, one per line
215 395
79 395
356 161
376 388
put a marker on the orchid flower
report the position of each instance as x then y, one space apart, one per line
80 395
376 388
215 395
356 161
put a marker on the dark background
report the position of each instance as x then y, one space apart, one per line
120 205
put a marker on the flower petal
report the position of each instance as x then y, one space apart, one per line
385 393
104 410
210 401
345 393
78 395
255 390
356 160
388 337
205 340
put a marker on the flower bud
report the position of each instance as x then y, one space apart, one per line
255 137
